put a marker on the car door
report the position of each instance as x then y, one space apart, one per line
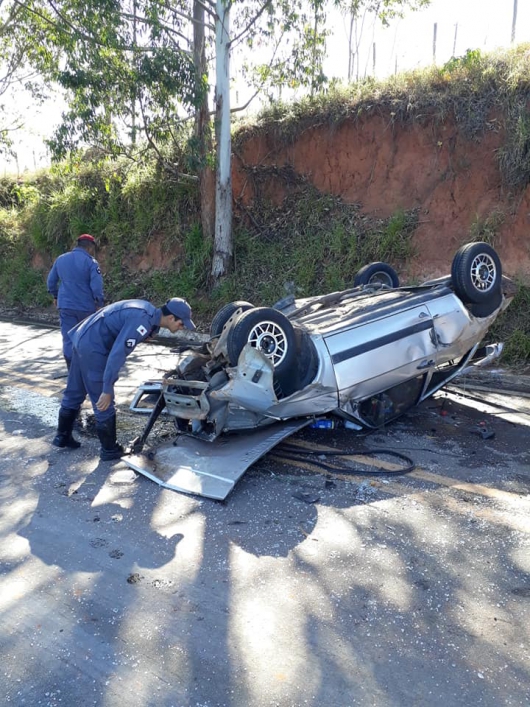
373 355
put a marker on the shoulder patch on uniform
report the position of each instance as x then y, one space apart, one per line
142 330
130 343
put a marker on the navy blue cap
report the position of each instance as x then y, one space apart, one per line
180 309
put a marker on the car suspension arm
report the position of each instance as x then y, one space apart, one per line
138 443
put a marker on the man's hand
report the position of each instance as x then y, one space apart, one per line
104 401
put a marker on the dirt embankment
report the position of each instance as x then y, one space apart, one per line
454 182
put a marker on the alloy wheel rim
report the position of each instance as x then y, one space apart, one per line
270 339
483 272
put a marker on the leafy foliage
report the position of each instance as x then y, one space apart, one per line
110 199
128 70
19 282
121 66
18 51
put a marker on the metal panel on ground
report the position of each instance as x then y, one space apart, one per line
210 469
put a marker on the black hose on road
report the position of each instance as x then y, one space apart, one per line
295 453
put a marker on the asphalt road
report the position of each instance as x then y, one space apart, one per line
304 588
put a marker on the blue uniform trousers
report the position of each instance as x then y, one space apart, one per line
86 377
69 318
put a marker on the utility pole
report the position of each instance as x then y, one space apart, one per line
435 31
454 40
514 20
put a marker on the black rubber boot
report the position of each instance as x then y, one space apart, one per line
64 438
110 449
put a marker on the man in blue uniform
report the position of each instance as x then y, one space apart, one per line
100 345
76 285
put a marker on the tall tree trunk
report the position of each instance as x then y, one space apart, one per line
514 20
203 132
350 48
135 59
223 246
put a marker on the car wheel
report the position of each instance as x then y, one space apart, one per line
476 273
224 314
267 330
377 273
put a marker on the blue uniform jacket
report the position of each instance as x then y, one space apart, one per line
107 337
75 281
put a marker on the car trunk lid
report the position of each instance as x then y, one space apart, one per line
210 469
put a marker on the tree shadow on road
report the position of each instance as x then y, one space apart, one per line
300 589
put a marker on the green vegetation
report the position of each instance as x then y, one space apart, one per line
310 243
125 208
19 282
487 229
513 327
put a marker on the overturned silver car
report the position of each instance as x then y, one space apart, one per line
366 354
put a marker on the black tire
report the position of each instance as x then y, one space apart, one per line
267 330
381 273
484 309
455 264
476 273
224 314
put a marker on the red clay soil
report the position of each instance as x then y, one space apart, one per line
454 181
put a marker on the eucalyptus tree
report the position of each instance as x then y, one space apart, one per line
16 73
138 72
292 32
125 66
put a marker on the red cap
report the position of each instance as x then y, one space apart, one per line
87 237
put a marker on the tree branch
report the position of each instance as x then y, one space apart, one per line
190 18
260 87
167 28
154 147
92 39
256 17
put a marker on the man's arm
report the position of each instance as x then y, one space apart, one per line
132 333
52 283
96 284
